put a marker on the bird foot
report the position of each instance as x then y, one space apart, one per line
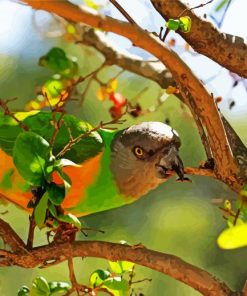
184 179
207 164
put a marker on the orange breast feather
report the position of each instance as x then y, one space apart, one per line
81 178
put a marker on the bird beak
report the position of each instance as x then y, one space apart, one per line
170 161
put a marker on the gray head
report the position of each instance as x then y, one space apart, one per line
143 155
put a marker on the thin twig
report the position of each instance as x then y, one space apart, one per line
123 11
143 280
73 141
195 7
224 14
57 127
4 105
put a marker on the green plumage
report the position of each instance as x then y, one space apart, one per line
132 162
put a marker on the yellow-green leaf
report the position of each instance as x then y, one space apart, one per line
234 237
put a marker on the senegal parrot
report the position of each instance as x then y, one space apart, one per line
114 168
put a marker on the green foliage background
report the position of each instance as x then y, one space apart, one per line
175 218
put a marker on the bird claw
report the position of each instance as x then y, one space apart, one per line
184 179
207 164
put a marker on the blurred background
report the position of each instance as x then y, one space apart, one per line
176 218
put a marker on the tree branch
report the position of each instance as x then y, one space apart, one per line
156 72
199 99
10 237
225 49
168 264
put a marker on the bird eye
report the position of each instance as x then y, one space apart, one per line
138 151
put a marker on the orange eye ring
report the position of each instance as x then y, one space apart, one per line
138 151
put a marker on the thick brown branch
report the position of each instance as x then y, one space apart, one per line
157 72
225 49
170 265
10 238
200 100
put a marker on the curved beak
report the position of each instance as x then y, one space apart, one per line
170 161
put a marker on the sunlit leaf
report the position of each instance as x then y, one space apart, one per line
92 4
33 105
102 93
112 86
59 287
185 24
234 237
52 88
41 284
65 162
30 154
40 210
23 291
98 277
71 29
120 267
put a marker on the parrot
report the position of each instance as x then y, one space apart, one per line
113 167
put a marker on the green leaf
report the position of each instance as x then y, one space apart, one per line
9 130
172 24
40 210
234 237
60 163
53 88
120 267
56 193
23 291
86 148
30 154
185 24
115 267
57 60
98 277
52 210
41 284
71 219
34 291
66 180
59 287
117 283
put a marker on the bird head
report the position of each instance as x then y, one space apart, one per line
143 156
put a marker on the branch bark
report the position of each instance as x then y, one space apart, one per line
158 73
227 50
193 92
168 264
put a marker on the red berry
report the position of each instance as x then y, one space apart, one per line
115 112
118 99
